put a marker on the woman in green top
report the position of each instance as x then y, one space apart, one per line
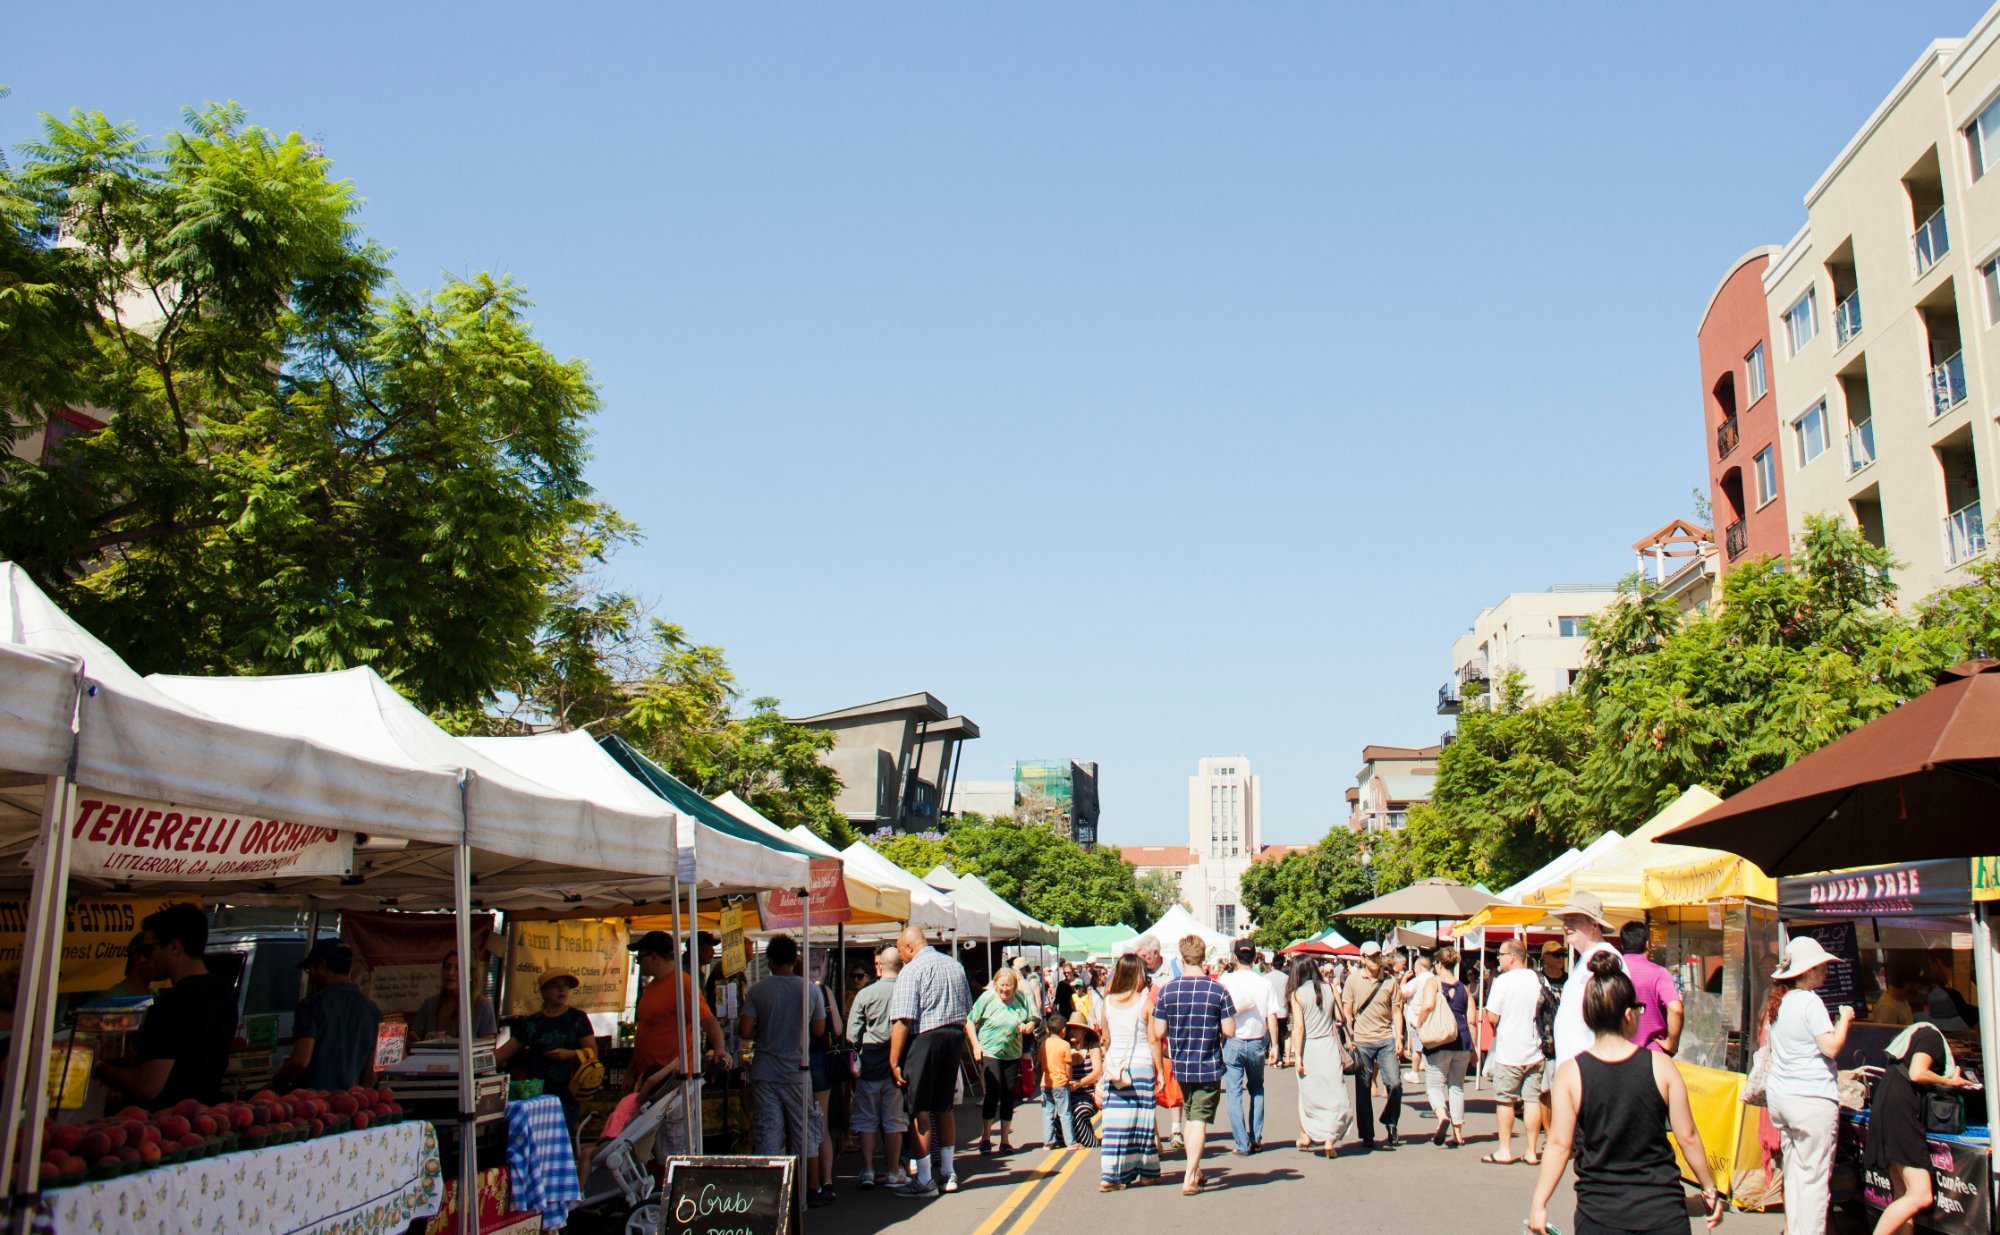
1000 1027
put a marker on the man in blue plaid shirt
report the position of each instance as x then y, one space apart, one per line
1192 1016
926 1041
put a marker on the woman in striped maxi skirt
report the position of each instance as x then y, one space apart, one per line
1128 1151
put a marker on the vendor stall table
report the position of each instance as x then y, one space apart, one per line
356 1183
541 1161
1961 1170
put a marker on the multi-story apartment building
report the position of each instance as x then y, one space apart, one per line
1746 481
1392 779
1540 634
1880 310
1224 826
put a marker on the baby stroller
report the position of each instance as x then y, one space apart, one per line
619 1178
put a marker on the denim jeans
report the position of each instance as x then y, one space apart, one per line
1056 1127
1243 1076
1369 1058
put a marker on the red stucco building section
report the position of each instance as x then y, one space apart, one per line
1736 322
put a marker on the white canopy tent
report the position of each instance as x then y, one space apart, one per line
110 733
1177 924
930 909
1004 921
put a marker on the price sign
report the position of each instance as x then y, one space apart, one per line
728 1196
732 940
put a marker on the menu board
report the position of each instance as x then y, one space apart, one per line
728 1196
1842 985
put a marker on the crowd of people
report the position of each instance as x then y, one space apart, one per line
1140 1057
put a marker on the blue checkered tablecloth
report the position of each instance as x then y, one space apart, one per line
541 1163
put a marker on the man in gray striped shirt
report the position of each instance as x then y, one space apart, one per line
926 1040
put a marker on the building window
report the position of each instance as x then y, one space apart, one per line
1802 320
1982 138
1225 920
1753 370
1989 283
1767 476
1572 627
1811 430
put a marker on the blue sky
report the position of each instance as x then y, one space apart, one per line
1147 381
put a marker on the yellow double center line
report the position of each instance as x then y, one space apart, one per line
1049 1177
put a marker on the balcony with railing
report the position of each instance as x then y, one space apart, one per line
1448 700
1736 539
1931 242
1860 446
1964 534
1947 384
1847 319
1727 434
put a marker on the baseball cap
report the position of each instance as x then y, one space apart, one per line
1553 948
1371 948
653 943
337 955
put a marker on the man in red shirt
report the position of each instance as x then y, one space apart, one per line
658 1049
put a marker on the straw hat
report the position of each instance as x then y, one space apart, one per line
1079 1024
558 975
1801 954
1589 905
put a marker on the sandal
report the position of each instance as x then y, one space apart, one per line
1497 1160
1105 1185
1330 1150
985 1146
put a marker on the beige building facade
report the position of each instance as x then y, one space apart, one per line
1540 634
1882 311
1225 826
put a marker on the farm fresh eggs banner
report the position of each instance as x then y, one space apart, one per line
126 839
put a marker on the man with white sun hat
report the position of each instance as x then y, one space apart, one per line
1800 1087
1584 928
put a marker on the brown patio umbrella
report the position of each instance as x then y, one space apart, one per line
1426 898
1920 782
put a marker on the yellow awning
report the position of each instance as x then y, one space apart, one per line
1617 877
1719 877
1508 916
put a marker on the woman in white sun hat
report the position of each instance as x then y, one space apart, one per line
1800 1088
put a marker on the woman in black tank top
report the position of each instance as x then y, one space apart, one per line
1612 1105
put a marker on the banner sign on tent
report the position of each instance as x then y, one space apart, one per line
401 955
96 932
122 838
1986 879
733 959
782 910
1905 889
593 949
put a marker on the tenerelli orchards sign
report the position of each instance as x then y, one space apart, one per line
122 838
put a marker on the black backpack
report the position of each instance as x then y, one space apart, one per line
1545 1016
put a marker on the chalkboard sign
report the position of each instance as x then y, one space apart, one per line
1842 985
728 1196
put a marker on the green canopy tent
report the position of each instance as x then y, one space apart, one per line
1078 943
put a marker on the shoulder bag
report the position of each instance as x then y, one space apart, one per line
1439 1030
1349 1062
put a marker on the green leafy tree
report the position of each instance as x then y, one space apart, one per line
1158 891
1032 866
1298 895
301 468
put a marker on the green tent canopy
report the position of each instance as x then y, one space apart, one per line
1081 942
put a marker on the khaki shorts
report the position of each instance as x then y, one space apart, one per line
1200 1102
1521 1083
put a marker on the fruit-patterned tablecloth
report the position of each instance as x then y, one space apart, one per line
373 1182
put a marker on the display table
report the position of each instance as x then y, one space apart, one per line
373 1182
1960 1169
541 1160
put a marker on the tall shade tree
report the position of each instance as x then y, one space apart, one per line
300 467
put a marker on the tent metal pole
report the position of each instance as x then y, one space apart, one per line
468 1148
691 1090
805 1048
312 936
1989 1015
680 1003
27 1095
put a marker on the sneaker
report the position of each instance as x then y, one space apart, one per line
951 1183
818 1198
867 1180
1389 1136
894 1179
917 1191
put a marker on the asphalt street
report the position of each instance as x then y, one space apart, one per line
1415 1189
